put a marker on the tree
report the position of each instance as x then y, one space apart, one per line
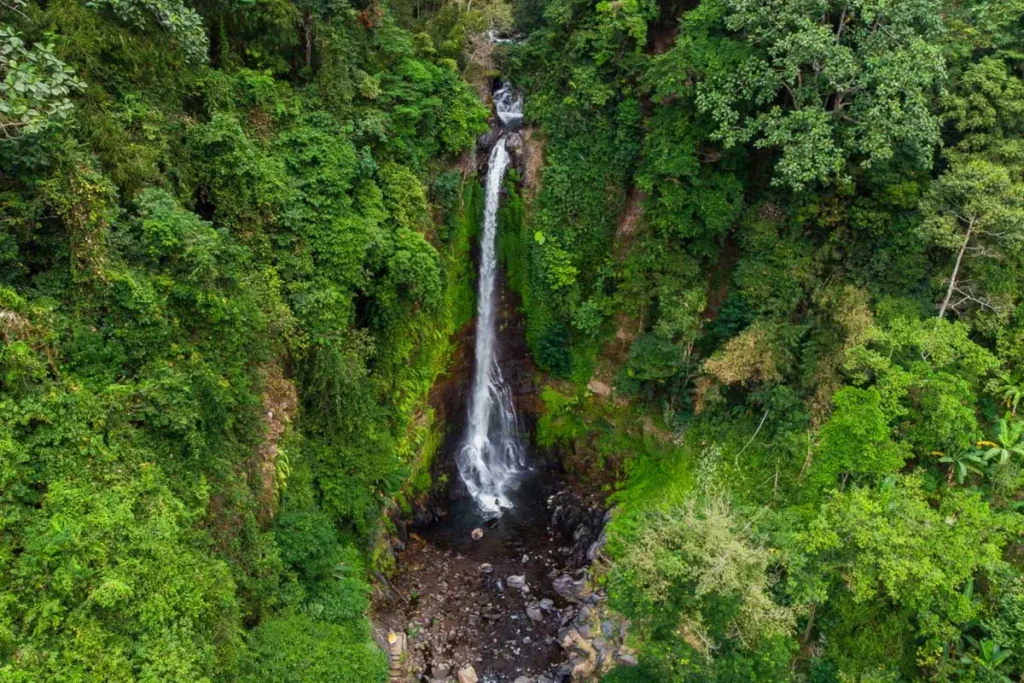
824 82
1009 442
695 578
173 16
35 86
857 439
977 209
888 546
961 462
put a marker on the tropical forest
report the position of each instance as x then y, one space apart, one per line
511 341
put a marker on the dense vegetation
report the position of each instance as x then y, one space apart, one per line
232 253
790 235
771 270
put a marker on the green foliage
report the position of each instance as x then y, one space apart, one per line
224 295
855 80
698 587
755 266
35 88
890 544
976 209
173 16
856 440
298 649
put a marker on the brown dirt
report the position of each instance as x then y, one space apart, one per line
280 403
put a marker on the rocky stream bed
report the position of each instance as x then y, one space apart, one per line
513 606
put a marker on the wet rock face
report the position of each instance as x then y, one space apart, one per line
581 523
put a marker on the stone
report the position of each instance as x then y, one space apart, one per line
467 674
440 671
522 679
516 581
583 669
568 589
607 628
486 568
477 534
487 140
597 546
547 604
513 142
627 659
534 613
600 388
526 558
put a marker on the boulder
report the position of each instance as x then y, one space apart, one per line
467 674
516 581
569 589
513 142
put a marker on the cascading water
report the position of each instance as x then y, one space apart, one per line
492 454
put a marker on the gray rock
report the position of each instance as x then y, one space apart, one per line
568 589
467 674
440 671
522 679
486 568
627 659
597 546
547 604
487 140
516 581
607 628
514 142
534 613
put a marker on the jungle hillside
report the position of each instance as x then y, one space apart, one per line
767 257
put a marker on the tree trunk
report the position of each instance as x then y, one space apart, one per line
810 624
956 271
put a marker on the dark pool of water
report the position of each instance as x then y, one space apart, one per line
524 528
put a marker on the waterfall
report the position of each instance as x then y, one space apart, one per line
492 452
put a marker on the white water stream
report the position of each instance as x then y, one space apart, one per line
492 454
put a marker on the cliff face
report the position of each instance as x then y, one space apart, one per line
450 396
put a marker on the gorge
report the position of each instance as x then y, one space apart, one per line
517 341
493 580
